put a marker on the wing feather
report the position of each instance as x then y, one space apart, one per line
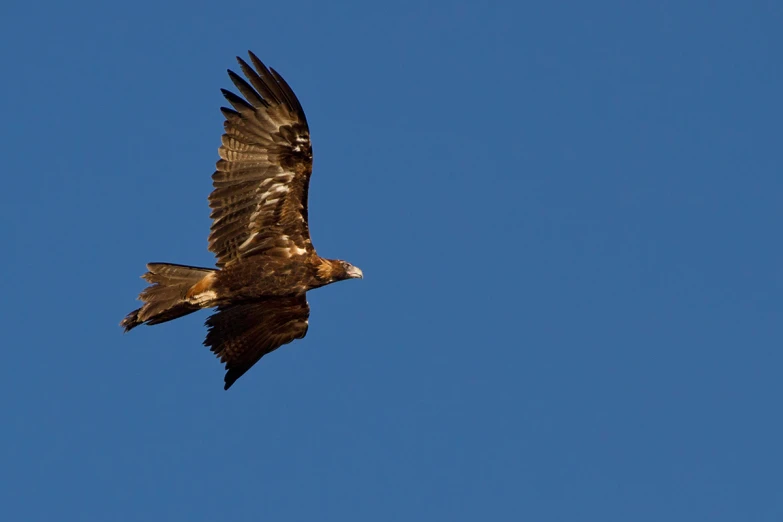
261 180
288 92
240 105
240 335
266 77
247 90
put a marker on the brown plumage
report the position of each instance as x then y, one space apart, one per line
265 258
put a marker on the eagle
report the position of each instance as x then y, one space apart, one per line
266 261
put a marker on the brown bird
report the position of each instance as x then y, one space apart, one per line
265 260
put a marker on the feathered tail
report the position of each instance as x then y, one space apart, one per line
167 297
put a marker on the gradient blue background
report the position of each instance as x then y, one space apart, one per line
568 215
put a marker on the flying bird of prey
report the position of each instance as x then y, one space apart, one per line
265 260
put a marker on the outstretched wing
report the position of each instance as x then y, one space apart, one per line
241 334
259 201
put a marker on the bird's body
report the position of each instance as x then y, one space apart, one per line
260 235
268 276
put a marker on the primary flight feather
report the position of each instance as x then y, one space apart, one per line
265 258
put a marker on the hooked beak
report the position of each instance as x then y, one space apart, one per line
354 273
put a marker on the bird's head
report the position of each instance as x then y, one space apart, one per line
349 271
331 270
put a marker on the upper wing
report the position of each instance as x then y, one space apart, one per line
259 201
241 334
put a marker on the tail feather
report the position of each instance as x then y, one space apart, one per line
165 299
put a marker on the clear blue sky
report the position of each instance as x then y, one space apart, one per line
569 219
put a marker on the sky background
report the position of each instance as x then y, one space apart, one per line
568 215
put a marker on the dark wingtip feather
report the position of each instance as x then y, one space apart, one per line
228 113
250 94
255 60
238 103
261 80
231 377
288 92
267 78
131 320
234 76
